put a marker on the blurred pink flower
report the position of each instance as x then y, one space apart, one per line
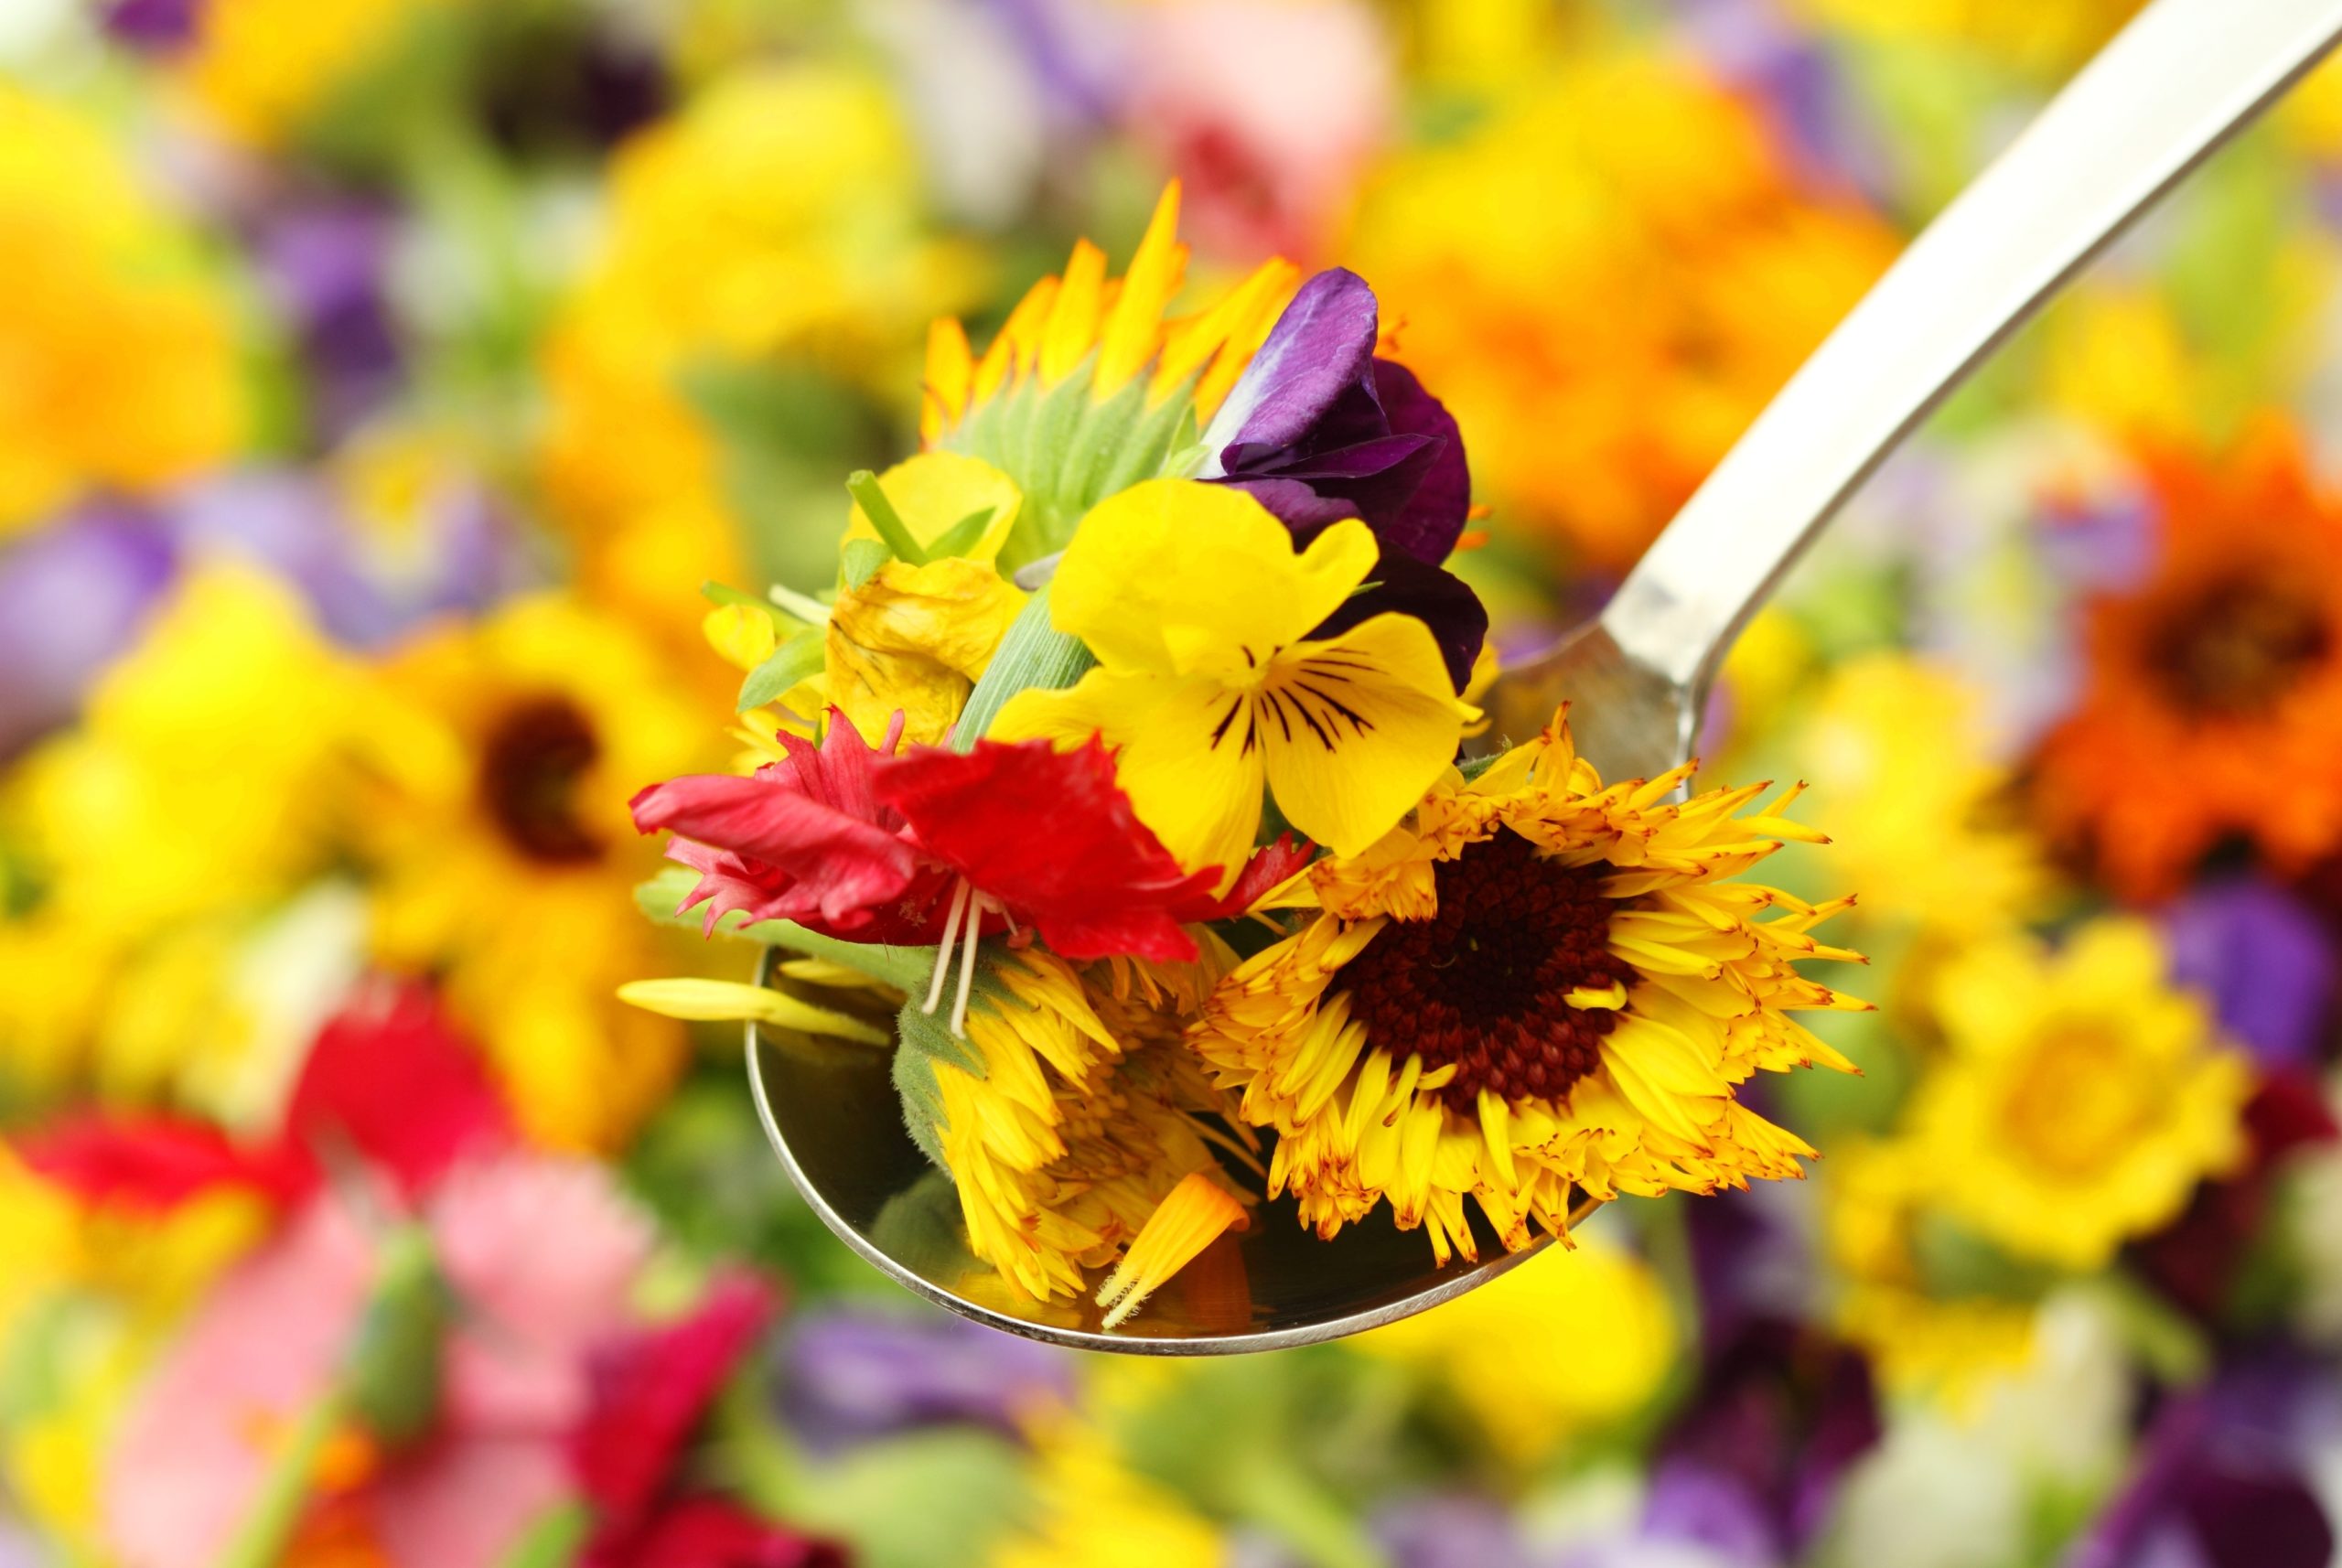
538 1255
1268 113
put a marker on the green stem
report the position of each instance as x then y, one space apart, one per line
905 969
268 1528
1033 654
863 487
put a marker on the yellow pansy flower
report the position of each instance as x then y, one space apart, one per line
1199 608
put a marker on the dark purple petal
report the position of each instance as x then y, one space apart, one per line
846 1377
1433 519
155 26
1299 507
325 264
1320 347
1432 594
2272 1520
72 599
2264 960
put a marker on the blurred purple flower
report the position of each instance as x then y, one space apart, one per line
72 596
1318 430
465 559
2102 542
847 1375
324 262
153 26
2221 1480
1798 85
2264 958
1451 1529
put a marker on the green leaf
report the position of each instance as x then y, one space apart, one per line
962 536
863 487
861 559
393 1384
719 594
922 1098
792 661
1033 654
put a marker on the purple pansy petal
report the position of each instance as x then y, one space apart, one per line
1433 519
2264 959
1295 505
1319 348
72 599
324 263
155 26
1708 1508
1450 1531
1444 602
846 1377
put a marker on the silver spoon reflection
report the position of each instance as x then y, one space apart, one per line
2178 82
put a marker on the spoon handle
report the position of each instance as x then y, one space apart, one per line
2176 82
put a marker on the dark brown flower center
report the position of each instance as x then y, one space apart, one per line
1484 982
2234 649
528 780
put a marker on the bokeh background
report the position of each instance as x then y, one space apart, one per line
380 380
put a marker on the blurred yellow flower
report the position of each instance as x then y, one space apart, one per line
209 781
1910 794
2080 1098
261 70
1568 1342
120 354
2046 37
506 855
1089 1508
777 217
1605 277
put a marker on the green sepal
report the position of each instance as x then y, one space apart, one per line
394 1383
860 559
927 1039
798 658
962 536
1033 654
871 496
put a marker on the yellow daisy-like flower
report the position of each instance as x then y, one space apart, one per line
1088 1116
1199 608
1538 986
506 855
2080 1098
1090 386
1089 1507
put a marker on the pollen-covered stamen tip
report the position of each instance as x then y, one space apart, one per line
1196 1213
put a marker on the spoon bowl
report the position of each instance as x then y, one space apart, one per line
2182 78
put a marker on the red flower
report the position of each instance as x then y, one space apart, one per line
873 846
708 1532
650 1389
387 1077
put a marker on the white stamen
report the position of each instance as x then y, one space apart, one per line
943 949
968 963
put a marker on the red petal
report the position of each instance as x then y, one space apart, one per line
1270 865
712 1532
803 858
649 1391
155 1163
1052 836
393 1076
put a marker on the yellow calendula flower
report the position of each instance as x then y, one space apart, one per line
775 219
2080 1098
121 354
1538 987
506 856
1513 1352
1199 608
1081 1140
1090 387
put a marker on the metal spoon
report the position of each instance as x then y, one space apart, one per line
2178 82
